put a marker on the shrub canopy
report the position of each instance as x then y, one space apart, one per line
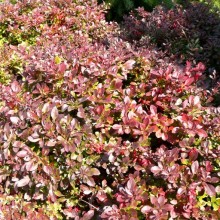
94 126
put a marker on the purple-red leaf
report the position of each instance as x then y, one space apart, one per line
54 113
31 166
86 190
202 133
23 182
51 143
88 215
155 169
189 81
34 140
153 110
146 209
131 184
161 200
62 68
22 153
129 64
196 100
210 189
195 167
81 113
16 87
14 120
89 180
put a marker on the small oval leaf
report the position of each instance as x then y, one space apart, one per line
54 113
14 120
23 182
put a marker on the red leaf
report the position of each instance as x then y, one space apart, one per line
51 143
54 113
155 169
22 153
88 215
131 184
47 170
129 64
202 133
146 209
195 167
161 200
193 154
153 110
186 214
210 189
168 207
127 100
116 126
164 136
62 68
14 119
23 182
81 113
101 196
208 166
90 181
34 140
15 87
189 81
180 191
30 166
85 189
196 100
214 180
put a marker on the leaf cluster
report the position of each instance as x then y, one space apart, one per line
95 126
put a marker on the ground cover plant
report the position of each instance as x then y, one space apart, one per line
95 126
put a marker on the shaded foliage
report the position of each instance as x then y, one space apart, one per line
190 34
120 8
117 9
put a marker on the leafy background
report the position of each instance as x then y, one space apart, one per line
119 8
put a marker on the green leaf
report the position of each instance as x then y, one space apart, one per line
58 193
57 60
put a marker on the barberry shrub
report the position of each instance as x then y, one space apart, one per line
117 9
191 32
93 127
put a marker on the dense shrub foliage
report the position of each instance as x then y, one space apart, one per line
192 34
118 9
94 126
214 3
